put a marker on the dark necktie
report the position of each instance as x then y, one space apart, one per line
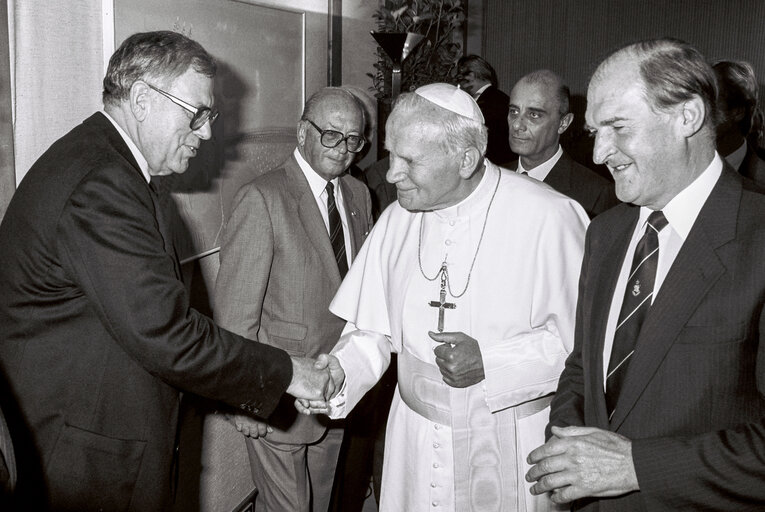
637 299
336 236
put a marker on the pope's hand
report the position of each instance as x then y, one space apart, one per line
332 365
249 426
458 358
309 381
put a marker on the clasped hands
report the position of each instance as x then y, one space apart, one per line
331 374
579 462
312 382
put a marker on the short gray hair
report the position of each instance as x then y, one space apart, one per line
159 56
673 71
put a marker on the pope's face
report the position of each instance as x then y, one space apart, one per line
426 177
165 137
640 145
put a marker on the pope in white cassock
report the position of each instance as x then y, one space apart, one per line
471 278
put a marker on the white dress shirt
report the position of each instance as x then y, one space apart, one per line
541 171
318 187
139 158
681 212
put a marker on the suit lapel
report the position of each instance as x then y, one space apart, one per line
607 275
559 176
694 271
311 219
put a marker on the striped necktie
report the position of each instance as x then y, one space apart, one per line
336 236
637 299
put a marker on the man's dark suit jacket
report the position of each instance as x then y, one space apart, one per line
693 402
97 337
585 186
494 105
753 167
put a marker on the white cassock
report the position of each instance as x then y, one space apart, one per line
464 449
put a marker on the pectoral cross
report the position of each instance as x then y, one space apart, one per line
441 303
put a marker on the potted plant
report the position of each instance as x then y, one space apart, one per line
433 60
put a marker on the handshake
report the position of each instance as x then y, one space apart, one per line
315 382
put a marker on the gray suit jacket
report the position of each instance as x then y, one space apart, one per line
278 274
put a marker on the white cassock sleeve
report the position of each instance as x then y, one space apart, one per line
364 356
527 366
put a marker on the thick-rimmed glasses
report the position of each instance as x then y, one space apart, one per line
331 138
200 115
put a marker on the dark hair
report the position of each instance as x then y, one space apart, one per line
552 80
673 71
159 56
738 88
480 68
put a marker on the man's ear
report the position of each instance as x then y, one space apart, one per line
471 157
565 122
691 116
140 105
301 128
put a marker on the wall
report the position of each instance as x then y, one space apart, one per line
570 36
57 62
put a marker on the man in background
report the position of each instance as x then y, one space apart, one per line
478 78
538 116
288 243
97 338
481 326
739 122
661 404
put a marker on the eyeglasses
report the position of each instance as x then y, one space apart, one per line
200 115
331 138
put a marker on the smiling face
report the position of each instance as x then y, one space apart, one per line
165 137
643 148
336 111
535 122
426 177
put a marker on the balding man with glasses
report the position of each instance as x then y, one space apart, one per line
96 334
287 244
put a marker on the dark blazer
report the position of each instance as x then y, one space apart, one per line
494 105
753 167
591 190
96 334
278 274
692 402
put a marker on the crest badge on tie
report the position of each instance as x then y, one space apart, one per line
636 288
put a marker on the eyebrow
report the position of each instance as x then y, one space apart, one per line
532 109
608 122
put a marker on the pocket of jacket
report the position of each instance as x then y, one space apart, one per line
288 336
90 471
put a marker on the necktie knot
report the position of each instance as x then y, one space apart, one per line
330 188
657 221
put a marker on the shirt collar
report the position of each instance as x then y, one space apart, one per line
315 182
736 158
541 171
139 158
480 91
681 211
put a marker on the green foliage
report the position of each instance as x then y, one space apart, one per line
435 58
